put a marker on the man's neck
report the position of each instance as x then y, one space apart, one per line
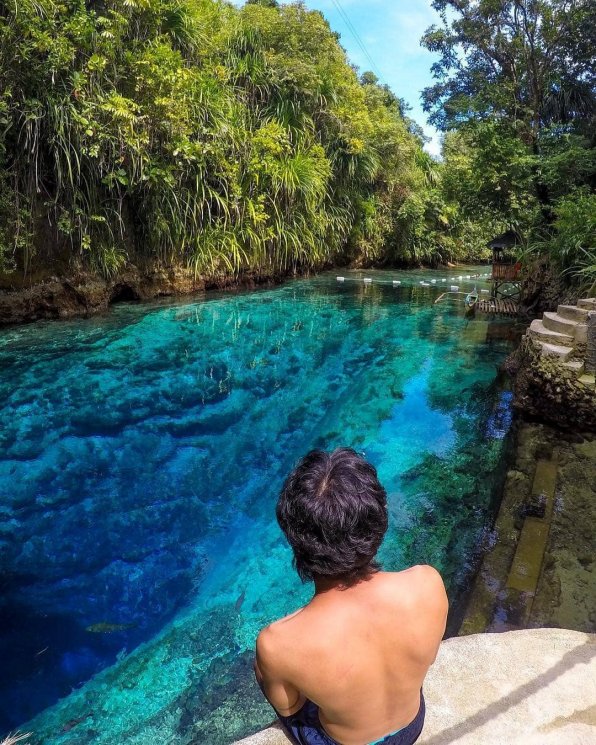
328 584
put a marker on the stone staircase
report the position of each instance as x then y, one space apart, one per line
564 335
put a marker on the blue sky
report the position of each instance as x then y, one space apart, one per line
390 31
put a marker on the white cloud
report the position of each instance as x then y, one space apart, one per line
434 146
408 26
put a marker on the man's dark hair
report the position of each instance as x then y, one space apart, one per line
333 511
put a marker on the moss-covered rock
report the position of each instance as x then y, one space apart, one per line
545 391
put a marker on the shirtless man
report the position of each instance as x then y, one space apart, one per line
348 667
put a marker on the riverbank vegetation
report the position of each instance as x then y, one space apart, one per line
195 133
516 95
191 132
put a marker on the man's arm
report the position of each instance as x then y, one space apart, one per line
285 698
439 603
432 620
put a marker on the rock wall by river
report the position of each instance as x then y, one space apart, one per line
84 294
546 392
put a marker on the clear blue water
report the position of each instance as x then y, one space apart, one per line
141 455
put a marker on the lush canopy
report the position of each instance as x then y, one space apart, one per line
193 132
516 93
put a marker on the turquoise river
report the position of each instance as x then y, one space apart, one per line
141 455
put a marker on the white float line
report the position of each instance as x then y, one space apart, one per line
369 280
394 282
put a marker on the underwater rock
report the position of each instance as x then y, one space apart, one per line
239 601
109 628
72 723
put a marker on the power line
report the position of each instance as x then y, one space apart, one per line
356 36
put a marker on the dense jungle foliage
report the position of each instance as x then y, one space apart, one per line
194 132
516 96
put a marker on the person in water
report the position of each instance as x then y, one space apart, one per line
348 668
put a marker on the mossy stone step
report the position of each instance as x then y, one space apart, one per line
575 366
588 303
554 350
588 379
529 555
545 482
527 563
555 322
539 331
573 313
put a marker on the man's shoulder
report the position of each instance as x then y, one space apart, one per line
414 575
420 583
422 572
274 637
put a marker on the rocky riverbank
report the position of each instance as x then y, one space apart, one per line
553 369
540 568
64 295
83 294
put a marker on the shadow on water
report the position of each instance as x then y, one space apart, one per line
46 655
50 649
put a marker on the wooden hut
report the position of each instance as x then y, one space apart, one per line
505 267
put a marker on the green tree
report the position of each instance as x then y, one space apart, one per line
516 81
529 61
192 132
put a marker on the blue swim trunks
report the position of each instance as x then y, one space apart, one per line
305 728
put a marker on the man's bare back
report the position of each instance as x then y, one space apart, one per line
359 653
348 667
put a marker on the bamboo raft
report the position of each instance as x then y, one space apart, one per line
491 306
497 306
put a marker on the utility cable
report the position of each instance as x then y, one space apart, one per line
356 36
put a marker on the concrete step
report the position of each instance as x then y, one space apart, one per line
539 331
527 562
555 322
575 366
554 350
589 379
573 312
581 333
544 485
587 303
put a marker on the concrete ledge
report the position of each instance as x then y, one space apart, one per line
533 687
